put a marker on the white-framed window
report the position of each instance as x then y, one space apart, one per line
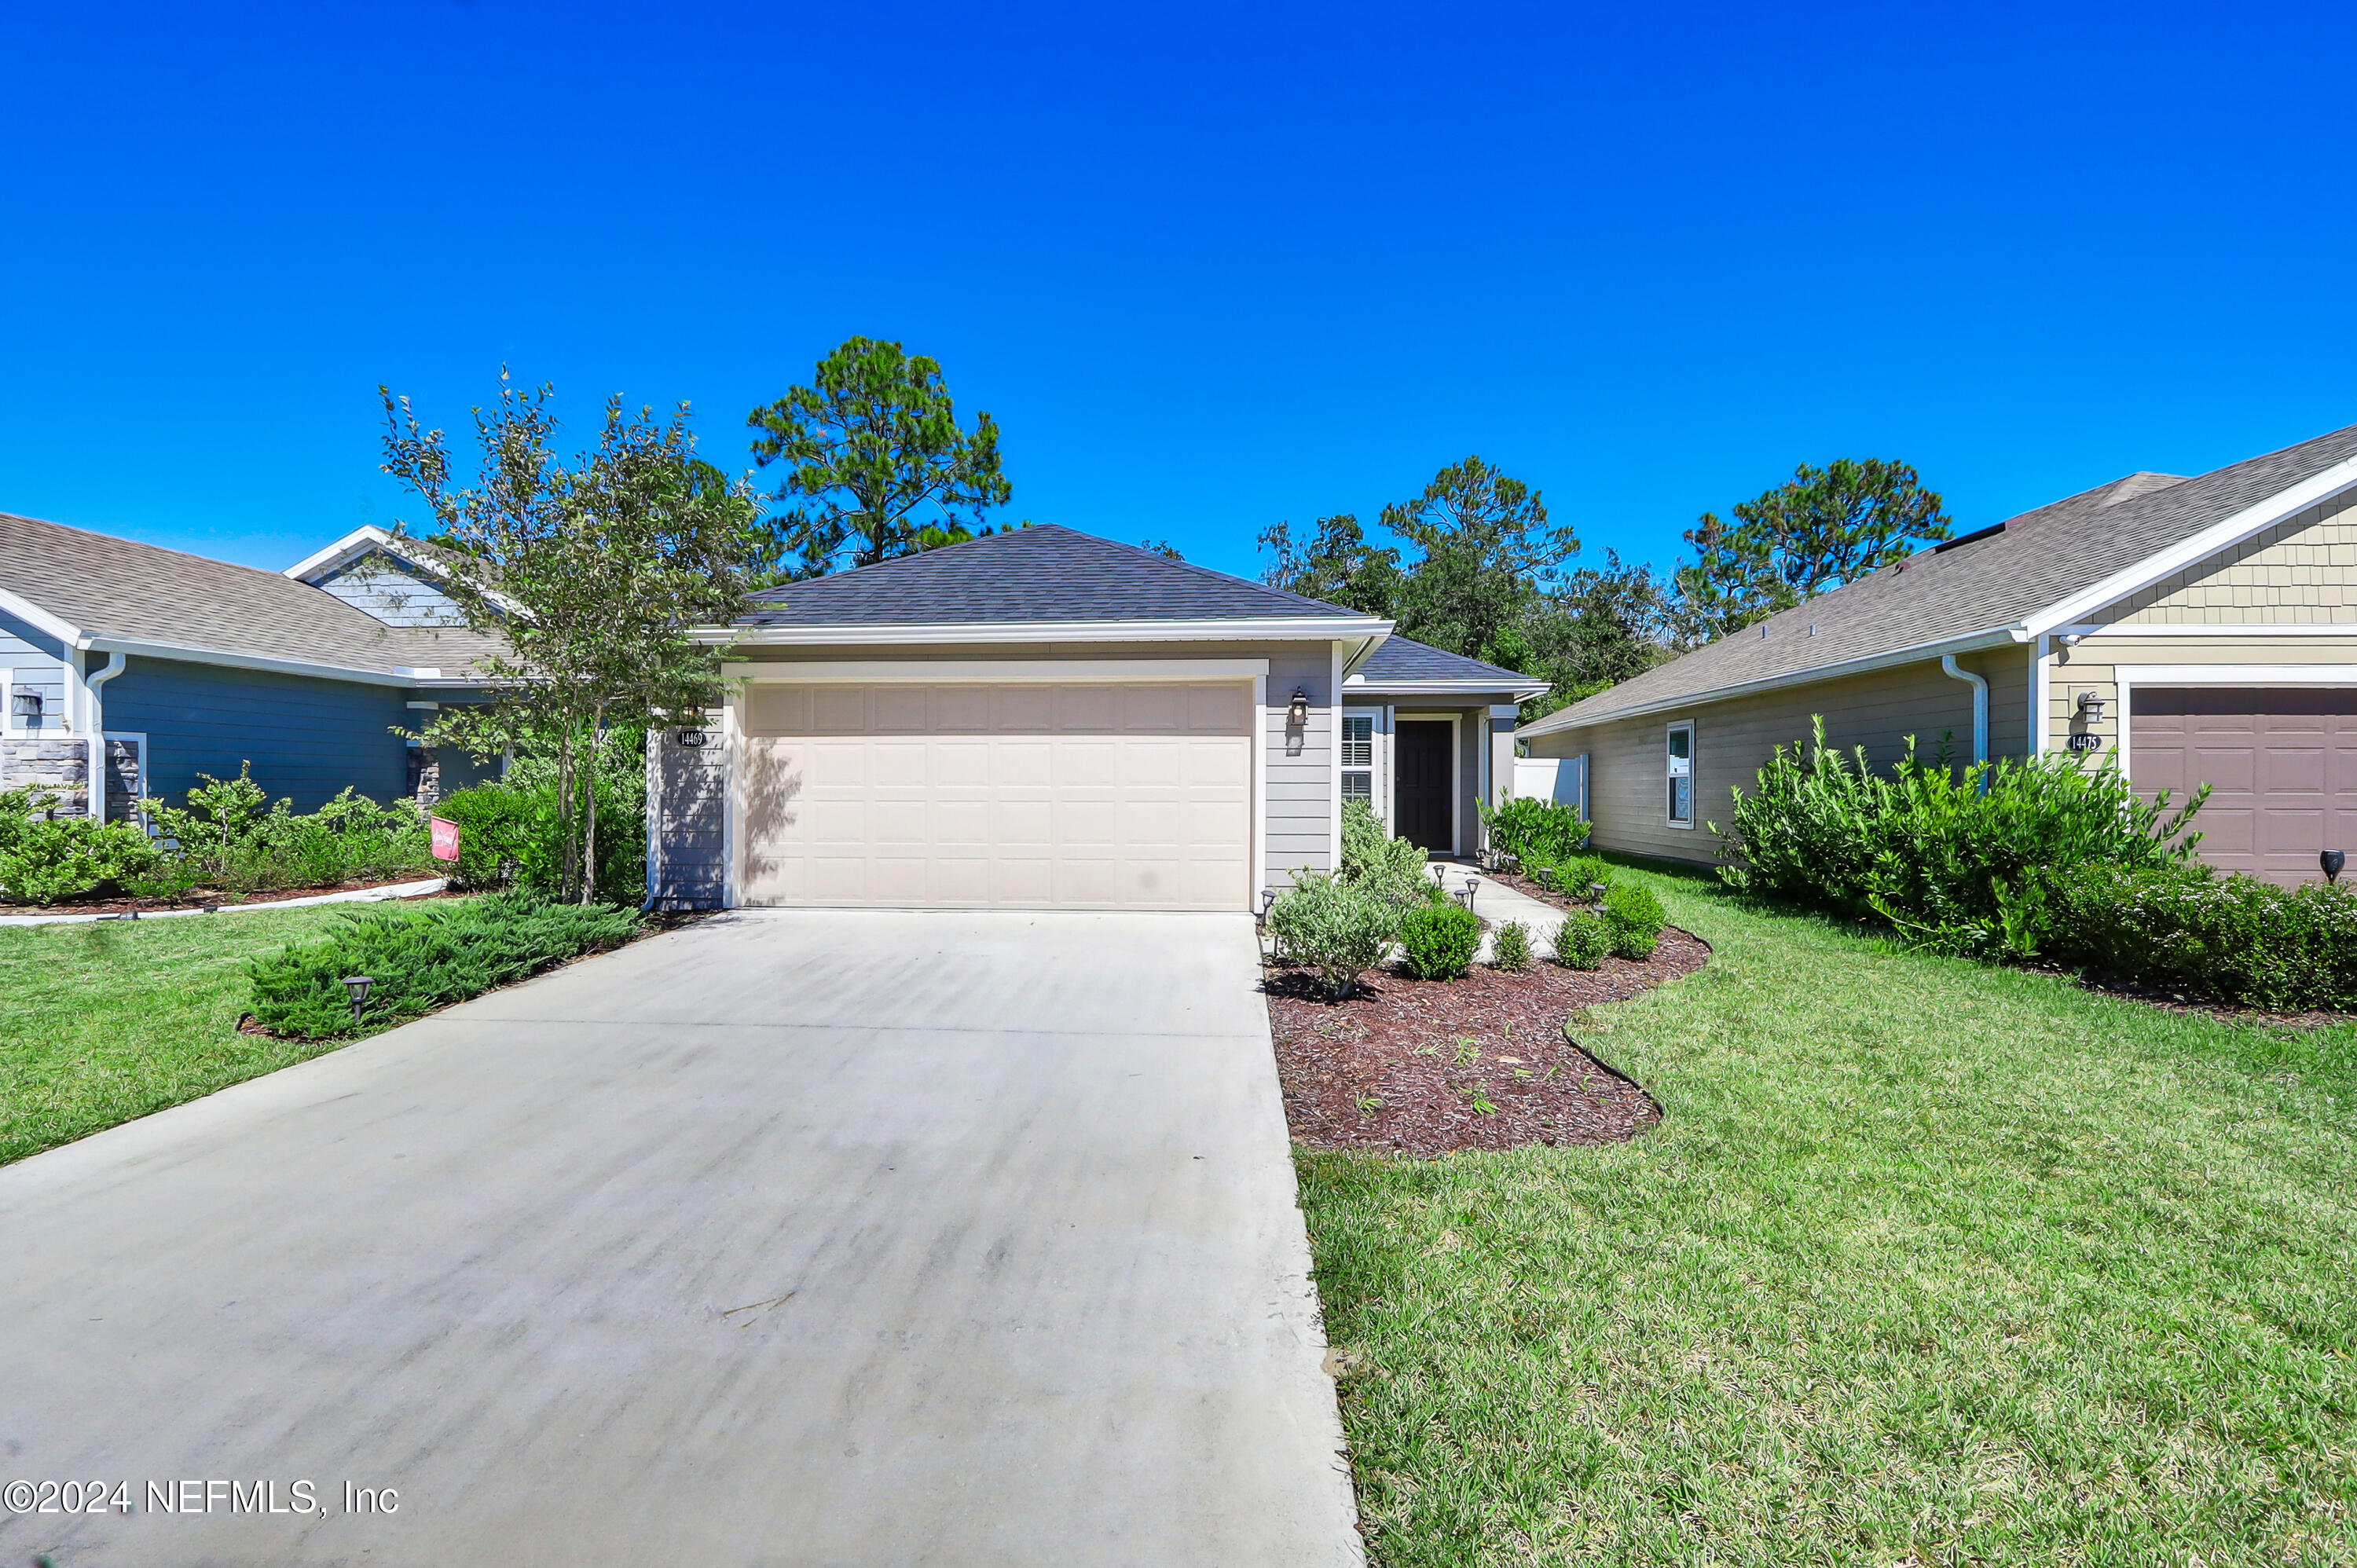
1679 760
1358 758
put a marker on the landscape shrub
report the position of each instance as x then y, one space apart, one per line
1939 853
424 957
505 835
2234 938
1582 941
1375 861
1336 928
1579 875
1439 940
1633 918
1509 946
44 860
1535 832
228 835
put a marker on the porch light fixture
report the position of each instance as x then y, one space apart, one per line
358 985
2329 862
1297 713
2091 707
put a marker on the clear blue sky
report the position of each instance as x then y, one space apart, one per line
1209 267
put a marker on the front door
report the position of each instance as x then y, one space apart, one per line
1422 798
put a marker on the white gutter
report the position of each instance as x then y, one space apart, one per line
1980 706
94 781
401 675
2000 638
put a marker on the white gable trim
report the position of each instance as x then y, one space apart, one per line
2219 536
40 619
356 543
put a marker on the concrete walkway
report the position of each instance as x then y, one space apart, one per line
809 1239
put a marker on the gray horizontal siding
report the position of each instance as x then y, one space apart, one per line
307 739
30 660
379 585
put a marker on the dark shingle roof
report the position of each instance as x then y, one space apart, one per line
117 588
1044 573
1984 583
1401 659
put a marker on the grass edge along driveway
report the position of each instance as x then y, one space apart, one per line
1930 1262
111 1020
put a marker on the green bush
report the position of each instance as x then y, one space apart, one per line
1633 918
1378 864
44 860
505 835
424 957
1337 928
1535 832
2235 937
1582 941
1509 946
228 835
1440 941
1936 851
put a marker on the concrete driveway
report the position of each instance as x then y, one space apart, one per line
793 1238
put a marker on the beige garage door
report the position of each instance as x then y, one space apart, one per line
2281 764
1132 796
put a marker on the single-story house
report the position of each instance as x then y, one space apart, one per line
152 666
2203 628
1042 719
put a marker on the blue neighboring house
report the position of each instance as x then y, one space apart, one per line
149 667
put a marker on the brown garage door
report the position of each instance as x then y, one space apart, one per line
2281 764
1132 796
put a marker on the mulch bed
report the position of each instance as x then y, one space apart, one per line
197 897
1407 1066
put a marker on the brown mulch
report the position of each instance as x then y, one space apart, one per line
197 897
1407 1066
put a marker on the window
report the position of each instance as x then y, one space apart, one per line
1358 758
1681 774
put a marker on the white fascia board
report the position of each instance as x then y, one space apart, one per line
2223 534
2003 637
1302 628
1358 684
179 654
359 541
935 672
42 621
2235 674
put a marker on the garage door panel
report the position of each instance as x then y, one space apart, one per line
2279 762
1092 795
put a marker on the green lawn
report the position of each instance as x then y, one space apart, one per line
103 1022
1929 1263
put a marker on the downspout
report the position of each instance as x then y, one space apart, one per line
1980 709
96 782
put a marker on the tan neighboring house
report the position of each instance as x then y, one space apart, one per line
2205 627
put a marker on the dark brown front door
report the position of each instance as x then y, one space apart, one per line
2281 764
1420 784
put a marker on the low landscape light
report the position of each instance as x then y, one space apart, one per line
358 985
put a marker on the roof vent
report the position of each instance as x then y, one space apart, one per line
1947 544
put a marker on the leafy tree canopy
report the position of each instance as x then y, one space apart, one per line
877 465
593 571
1490 556
1820 529
1336 564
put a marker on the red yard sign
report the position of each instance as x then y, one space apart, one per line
446 839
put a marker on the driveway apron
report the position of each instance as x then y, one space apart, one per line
789 1238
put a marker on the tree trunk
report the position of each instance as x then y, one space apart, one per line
567 844
589 787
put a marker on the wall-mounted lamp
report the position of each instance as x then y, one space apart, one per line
1297 713
2091 707
26 706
